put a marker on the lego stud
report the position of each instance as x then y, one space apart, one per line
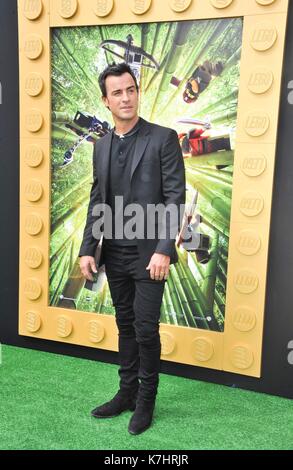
34 120
33 322
167 342
103 8
260 80
32 9
242 357
246 281
96 331
244 319
254 164
33 47
32 289
251 204
33 258
67 8
33 156
202 349
221 3
248 243
33 224
64 326
34 84
140 7
256 123
180 5
264 36
33 190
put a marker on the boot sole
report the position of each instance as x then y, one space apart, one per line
112 416
140 431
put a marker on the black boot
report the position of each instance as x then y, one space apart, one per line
125 399
128 357
141 418
149 355
116 406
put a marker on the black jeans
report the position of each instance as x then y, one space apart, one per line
137 300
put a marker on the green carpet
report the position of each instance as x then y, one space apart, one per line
45 403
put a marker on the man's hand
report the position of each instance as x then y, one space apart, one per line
159 266
87 266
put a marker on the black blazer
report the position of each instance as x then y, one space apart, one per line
157 176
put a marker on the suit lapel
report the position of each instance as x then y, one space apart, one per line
140 146
105 162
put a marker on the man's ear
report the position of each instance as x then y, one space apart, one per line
105 101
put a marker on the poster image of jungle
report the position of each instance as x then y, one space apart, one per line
188 74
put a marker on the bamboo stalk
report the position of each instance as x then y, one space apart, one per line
176 302
197 296
187 306
225 157
169 306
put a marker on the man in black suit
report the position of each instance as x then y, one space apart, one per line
137 163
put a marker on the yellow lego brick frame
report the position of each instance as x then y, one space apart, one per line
239 348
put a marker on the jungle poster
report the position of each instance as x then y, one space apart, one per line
188 74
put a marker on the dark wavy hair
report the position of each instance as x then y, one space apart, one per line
116 70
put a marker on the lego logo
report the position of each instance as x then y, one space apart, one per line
242 357
33 156
263 36
168 343
32 9
33 224
244 319
254 164
32 289
260 80
251 204
180 5
33 322
67 8
33 84
33 191
33 47
33 258
64 326
249 242
34 121
103 7
203 349
256 124
246 281
139 7
96 331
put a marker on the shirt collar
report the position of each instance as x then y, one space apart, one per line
129 133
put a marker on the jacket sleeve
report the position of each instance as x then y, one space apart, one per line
173 190
89 242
